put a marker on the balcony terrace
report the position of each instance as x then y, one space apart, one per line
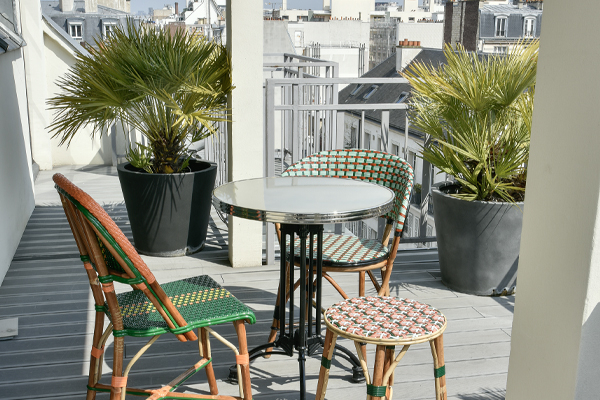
46 288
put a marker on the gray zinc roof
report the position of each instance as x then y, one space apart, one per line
389 92
510 9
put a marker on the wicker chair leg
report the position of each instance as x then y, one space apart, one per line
276 325
205 352
240 329
96 356
328 348
117 374
361 283
437 350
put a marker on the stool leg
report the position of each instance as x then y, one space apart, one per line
437 350
276 325
378 369
389 357
328 348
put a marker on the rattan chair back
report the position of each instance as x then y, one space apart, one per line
368 165
108 256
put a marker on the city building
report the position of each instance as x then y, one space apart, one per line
87 21
492 26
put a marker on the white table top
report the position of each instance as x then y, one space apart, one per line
303 200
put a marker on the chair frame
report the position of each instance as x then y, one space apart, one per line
91 226
394 219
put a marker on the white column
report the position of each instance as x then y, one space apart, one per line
246 143
35 70
555 347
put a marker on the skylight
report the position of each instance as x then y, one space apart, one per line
370 93
358 89
402 97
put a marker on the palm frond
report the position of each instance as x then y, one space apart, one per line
172 88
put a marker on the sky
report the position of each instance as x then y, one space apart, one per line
142 5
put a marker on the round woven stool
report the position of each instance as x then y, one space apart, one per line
386 322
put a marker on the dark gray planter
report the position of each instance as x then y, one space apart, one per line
478 243
168 213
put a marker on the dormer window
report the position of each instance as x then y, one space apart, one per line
370 92
356 90
75 30
108 28
529 27
501 26
402 97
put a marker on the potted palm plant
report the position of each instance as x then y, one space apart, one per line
478 112
172 88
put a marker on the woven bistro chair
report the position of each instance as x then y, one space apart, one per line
344 253
149 310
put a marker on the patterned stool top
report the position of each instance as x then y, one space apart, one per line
346 250
385 319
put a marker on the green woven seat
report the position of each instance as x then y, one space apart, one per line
346 250
200 300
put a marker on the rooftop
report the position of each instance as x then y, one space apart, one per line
47 290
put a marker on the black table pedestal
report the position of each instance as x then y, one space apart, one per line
303 334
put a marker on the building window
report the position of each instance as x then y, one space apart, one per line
501 27
108 29
529 27
75 30
500 49
395 149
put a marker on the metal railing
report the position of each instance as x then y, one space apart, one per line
303 116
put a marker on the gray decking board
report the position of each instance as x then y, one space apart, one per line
46 288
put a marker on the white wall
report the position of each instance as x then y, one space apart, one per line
361 9
430 34
16 180
83 150
246 133
555 346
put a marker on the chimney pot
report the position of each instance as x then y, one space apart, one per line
176 8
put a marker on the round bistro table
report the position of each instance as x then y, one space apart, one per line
302 205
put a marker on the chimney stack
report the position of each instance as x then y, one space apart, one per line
176 8
406 51
66 5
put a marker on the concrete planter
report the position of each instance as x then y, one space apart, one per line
478 243
168 213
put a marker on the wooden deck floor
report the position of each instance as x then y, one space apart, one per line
46 288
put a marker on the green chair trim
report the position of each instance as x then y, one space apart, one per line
85 258
439 372
325 362
188 376
159 331
101 308
112 278
376 391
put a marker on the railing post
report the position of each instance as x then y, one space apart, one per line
385 130
270 162
425 192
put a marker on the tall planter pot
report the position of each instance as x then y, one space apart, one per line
478 243
168 213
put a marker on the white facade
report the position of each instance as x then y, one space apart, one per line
430 34
339 41
352 9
